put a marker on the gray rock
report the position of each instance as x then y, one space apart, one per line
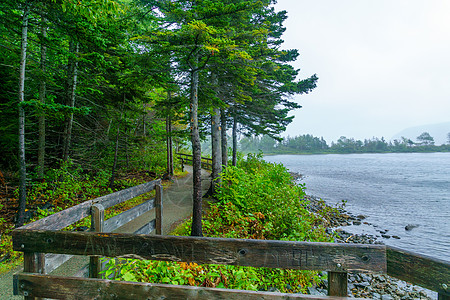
365 277
410 227
314 291
386 297
376 296
362 284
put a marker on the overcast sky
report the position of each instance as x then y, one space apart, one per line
383 65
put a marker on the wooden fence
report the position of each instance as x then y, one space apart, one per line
187 159
45 236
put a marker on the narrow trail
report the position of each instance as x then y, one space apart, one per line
177 205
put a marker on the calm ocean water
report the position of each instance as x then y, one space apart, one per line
392 190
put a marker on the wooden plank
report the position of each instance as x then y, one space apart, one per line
83 272
33 263
428 272
121 219
53 261
159 209
75 213
147 228
337 284
63 218
127 194
441 296
256 253
80 288
98 217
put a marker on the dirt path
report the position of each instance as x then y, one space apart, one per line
177 205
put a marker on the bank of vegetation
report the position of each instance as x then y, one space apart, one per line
309 144
257 200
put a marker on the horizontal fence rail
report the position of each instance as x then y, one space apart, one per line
428 272
74 214
38 285
254 253
188 158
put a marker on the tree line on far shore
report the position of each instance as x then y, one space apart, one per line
308 143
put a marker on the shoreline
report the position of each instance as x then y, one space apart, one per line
365 285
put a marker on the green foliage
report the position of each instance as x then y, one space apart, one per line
308 144
220 276
52 109
68 185
257 200
256 186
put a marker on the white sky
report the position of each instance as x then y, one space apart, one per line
383 65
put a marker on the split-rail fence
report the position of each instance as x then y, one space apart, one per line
188 159
46 236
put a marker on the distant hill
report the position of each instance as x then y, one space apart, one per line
437 131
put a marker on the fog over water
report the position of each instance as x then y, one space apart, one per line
383 66
392 190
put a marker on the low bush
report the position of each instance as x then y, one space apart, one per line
257 200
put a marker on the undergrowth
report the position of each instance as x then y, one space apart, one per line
257 200
62 188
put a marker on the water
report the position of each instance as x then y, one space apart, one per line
392 190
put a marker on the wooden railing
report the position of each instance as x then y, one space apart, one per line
38 262
45 236
187 159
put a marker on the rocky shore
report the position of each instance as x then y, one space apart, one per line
373 286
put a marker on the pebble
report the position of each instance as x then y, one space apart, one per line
410 227
364 285
314 291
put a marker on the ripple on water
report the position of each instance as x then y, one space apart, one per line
393 190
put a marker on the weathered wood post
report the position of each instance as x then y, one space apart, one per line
337 284
159 208
33 263
442 296
97 221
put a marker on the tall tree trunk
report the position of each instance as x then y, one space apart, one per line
126 152
169 139
167 146
223 136
170 146
22 161
116 154
116 150
234 134
143 120
72 86
216 153
196 229
42 91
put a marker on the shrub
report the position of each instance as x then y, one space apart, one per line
257 200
